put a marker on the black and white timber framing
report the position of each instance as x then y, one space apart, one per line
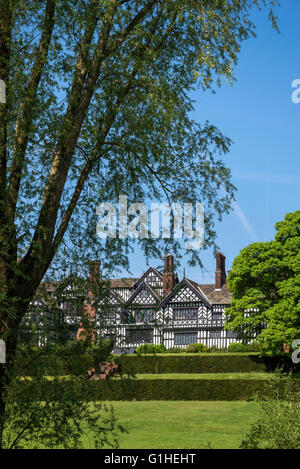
155 308
146 311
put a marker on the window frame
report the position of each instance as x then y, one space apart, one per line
136 340
188 308
185 334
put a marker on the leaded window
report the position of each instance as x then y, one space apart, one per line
217 316
139 336
143 293
185 313
144 315
108 313
231 335
185 338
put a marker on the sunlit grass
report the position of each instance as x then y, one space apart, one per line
254 375
182 424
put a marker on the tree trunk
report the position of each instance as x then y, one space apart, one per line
11 314
6 371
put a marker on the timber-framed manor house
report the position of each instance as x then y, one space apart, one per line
156 308
160 309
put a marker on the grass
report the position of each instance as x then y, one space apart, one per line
183 424
180 354
254 375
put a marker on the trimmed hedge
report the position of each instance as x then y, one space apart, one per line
155 364
193 364
175 390
164 390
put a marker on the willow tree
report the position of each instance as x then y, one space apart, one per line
98 104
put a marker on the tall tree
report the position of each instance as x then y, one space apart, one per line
265 281
98 105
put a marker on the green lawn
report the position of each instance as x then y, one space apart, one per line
184 354
254 375
183 424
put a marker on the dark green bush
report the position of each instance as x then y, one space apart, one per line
215 349
254 347
278 424
175 350
238 347
178 389
184 363
158 363
196 348
150 348
171 389
235 347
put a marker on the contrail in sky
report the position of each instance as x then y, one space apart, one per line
289 179
244 220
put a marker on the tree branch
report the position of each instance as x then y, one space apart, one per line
137 20
87 168
41 246
24 119
5 42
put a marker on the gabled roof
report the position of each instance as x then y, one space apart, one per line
121 282
55 287
193 286
145 274
70 281
48 287
197 286
39 302
222 296
140 288
112 293
206 292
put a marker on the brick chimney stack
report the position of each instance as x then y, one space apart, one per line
220 270
94 271
89 310
168 275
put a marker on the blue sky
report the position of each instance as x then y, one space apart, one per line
258 114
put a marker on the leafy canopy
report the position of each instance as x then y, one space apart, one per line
279 423
265 281
98 105
50 403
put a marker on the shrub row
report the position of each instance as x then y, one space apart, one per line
175 389
198 348
222 363
164 389
152 348
238 347
155 364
